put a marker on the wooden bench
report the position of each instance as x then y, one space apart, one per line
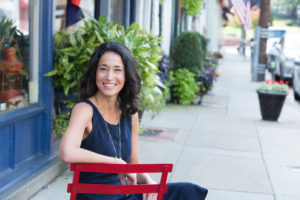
76 187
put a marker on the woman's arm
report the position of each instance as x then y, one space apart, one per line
69 150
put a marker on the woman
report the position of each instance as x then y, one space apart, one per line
104 125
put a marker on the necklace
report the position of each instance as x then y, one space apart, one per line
110 137
120 144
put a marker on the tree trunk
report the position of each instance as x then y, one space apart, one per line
264 20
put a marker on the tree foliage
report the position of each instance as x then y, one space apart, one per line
288 7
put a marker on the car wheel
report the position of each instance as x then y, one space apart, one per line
290 81
297 96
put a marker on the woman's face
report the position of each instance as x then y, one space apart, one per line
110 76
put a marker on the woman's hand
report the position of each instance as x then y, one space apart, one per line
127 178
150 196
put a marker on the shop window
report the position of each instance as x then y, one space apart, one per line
16 66
116 11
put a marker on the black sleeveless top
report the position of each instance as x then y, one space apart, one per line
99 141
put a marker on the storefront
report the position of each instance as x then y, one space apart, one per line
26 45
26 54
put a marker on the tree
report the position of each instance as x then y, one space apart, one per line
264 20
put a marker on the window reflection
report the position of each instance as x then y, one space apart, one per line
14 52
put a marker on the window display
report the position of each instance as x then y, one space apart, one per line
14 54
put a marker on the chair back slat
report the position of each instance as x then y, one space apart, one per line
76 187
117 189
121 168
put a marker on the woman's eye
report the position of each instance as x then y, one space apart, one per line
102 69
118 70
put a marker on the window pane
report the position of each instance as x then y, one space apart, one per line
14 54
115 11
60 14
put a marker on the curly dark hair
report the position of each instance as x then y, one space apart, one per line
128 98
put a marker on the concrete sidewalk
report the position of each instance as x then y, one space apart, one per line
223 144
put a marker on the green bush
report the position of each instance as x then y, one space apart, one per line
189 51
72 52
185 87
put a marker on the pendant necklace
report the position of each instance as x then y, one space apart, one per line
110 137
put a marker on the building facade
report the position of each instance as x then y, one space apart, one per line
26 103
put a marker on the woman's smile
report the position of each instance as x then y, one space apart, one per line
109 85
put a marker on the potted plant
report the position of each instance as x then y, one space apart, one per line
271 95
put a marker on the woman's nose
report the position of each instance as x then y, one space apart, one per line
110 75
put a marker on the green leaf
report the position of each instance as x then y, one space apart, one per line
51 73
73 40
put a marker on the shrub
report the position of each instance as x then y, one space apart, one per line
189 51
185 87
73 50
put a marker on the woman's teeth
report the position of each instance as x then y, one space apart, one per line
109 85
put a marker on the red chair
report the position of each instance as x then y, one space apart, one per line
161 188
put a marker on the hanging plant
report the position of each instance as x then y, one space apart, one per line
192 7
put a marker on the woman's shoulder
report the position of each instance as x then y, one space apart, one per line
82 108
134 119
135 116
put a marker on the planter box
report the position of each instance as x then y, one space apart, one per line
271 104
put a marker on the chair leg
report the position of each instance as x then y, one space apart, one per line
73 196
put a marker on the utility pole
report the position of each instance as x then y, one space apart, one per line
264 20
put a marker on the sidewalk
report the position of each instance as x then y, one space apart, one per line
222 144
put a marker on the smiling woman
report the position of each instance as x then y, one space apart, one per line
104 125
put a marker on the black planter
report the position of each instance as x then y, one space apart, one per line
271 104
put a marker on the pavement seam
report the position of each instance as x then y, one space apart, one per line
184 143
240 191
263 159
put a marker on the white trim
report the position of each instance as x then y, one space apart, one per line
166 26
34 53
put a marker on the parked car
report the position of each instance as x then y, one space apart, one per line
296 80
284 54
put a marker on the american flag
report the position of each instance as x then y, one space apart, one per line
77 10
243 10
74 13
